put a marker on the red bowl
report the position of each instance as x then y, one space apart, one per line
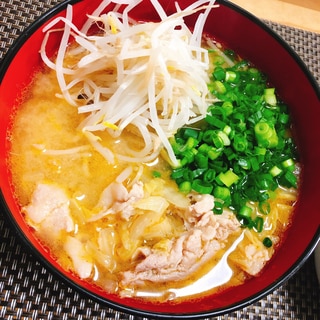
253 40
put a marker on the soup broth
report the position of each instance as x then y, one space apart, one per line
125 225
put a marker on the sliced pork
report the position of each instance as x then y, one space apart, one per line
206 234
49 209
117 199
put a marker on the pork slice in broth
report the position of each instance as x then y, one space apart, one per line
179 257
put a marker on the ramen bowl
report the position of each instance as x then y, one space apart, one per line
251 39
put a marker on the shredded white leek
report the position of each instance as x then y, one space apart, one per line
152 76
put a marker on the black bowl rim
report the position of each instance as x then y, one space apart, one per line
14 48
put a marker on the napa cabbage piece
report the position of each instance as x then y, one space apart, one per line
150 76
251 255
149 212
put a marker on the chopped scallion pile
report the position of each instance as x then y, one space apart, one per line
242 151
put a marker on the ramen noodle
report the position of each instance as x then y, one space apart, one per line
91 162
